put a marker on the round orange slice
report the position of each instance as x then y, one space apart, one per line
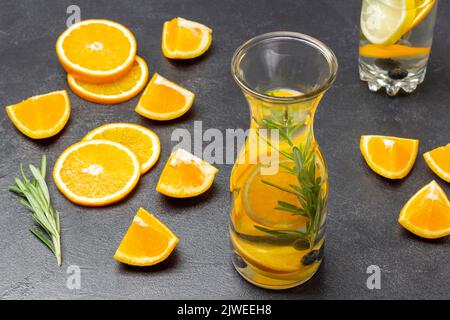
185 39
390 157
392 51
439 161
41 116
147 242
164 100
427 213
96 50
144 143
123 89
185 175
96 172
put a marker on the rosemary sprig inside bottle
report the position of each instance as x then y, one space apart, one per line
308 191
33 194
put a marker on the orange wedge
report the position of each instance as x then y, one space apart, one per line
123 89
147 242
96 172
185 175
96 50
41 116
427 213
185 39
144 143
390 157
392 51
164 100
439 161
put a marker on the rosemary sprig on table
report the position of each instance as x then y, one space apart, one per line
310 202
33 194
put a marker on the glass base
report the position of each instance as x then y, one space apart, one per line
377 79
271 281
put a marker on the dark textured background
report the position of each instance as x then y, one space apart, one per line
363 207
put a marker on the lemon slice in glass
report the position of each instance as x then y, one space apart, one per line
383 22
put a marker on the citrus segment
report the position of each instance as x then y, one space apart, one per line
164 100
390 157
185 39
185 175
392 51
423 8
427 213
41 116
147 242
384 22
143 142
285 259
96 50
123 89
439 161
96 172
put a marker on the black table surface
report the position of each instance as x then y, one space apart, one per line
362 229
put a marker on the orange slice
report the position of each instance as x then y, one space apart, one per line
282 260
427 213
144 143
392 51
185 175
390 157
41 116
164 100
147 242
96 172
185 39
123 89
439 161
423 8
96 50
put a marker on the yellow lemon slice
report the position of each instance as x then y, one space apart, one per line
384 22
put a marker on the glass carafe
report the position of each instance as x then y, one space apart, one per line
279 182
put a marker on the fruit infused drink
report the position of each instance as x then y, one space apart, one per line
279 183
395 43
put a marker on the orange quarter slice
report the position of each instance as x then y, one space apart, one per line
164 100
147 242
439 161
41 116
390 157
185 175
185 39
427 213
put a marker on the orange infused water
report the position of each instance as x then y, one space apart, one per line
279 188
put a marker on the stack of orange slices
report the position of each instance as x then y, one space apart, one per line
100 59
106 165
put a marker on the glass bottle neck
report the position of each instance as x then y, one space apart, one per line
294 121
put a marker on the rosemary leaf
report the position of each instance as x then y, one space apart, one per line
34 195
